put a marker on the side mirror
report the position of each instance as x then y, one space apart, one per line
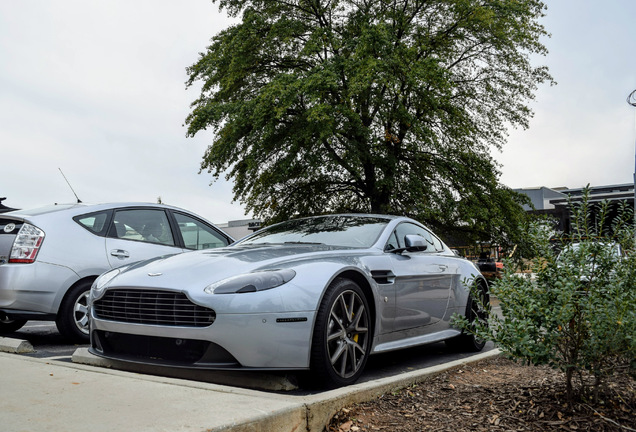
415 243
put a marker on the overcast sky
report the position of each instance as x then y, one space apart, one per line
96 88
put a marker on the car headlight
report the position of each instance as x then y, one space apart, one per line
101 282
251 282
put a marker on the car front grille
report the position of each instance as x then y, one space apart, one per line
154 307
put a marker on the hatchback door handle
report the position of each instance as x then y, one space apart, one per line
442 266
120 253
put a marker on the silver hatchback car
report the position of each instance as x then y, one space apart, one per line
50 256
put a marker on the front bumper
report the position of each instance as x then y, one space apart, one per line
234 341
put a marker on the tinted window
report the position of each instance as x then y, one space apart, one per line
348 231
438 244
432 242
150 226
197 235
393 242
94 222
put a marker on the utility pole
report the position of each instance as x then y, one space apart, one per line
631 99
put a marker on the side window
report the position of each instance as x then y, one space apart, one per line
393 243
94 222
410 229
438 244
150 226
197 235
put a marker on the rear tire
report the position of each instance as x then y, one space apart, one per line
475 311
8 325
342 335
72 318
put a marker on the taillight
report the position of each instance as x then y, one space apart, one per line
26 245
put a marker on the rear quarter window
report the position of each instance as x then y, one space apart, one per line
94 222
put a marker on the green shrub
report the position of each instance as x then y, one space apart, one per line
577 310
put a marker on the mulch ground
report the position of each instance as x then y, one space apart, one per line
492 395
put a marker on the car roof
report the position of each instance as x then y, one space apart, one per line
80 208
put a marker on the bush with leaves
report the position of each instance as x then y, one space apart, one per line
577 310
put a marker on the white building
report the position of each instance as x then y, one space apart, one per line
240 228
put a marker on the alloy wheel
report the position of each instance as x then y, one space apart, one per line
347 334
80 312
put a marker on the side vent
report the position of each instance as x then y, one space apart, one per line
383 277
291 320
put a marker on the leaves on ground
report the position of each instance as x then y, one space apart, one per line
492 395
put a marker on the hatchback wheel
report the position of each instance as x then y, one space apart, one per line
72 318
8 325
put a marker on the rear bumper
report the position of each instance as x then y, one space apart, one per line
36 288
27 315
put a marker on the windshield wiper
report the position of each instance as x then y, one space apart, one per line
302 243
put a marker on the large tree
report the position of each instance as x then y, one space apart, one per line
370 106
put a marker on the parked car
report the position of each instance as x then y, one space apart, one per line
591 252
320 293
50 256
591 247
4 208
488 267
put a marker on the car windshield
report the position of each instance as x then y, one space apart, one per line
338 230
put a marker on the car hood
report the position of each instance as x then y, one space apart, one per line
201 268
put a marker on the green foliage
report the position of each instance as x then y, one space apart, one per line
370 106
577 313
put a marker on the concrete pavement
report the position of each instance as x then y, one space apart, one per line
46 395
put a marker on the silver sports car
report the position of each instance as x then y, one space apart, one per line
320 293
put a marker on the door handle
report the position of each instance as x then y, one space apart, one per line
120 253
442 266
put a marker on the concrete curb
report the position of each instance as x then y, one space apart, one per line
292 419
16 346
311 412
147 401
110 399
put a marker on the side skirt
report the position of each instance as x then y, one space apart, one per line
415 341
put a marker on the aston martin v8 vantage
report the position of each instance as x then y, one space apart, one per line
319 294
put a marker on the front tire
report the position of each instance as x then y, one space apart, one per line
342 335
72 318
